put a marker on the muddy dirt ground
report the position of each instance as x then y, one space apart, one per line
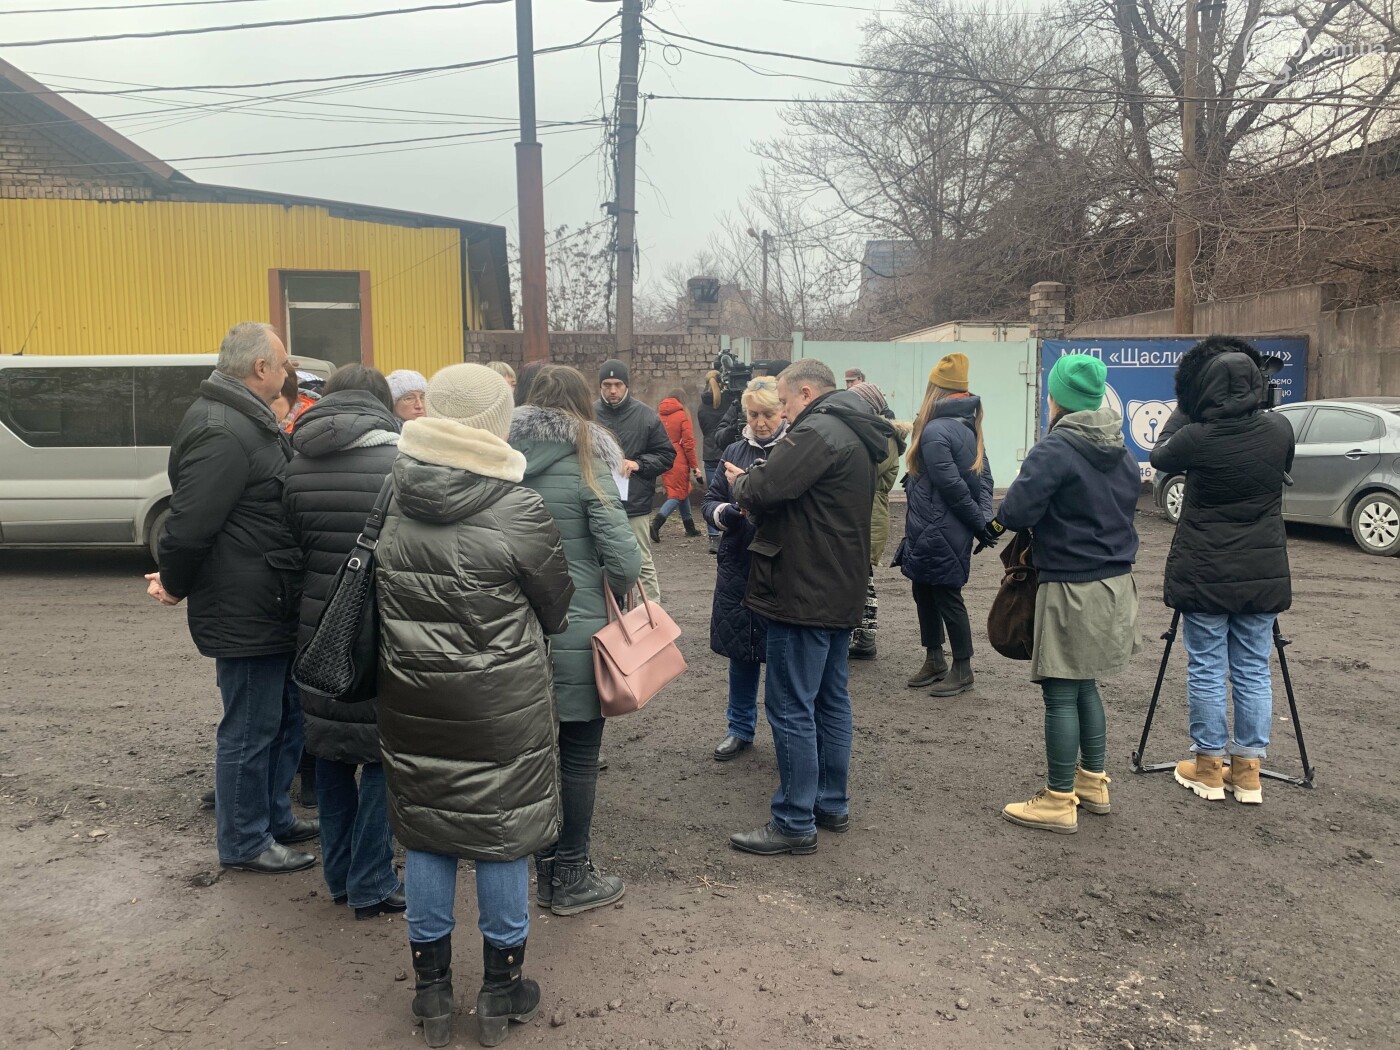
933 923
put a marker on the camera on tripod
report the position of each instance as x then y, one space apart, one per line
734 374
1273 392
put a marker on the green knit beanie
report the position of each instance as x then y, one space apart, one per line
1077 382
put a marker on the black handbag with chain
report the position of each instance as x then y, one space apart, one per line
341 659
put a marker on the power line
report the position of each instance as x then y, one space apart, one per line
128 7
255 25
385 75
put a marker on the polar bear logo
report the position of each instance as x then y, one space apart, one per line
1111 399
1146 420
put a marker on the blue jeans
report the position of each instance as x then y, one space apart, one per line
357 847
1237 647
809 711
669 507
743 698
258 748
711 465
502 898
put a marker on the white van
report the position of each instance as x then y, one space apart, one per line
84 444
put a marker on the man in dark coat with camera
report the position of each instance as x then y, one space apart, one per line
649 454
811 503
228 547
1227 573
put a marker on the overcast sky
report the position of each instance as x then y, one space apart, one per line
695 158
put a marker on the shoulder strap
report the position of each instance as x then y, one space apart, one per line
369 535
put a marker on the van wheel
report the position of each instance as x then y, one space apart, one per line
1173 494
155 533
1375 524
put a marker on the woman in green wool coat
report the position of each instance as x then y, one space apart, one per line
569 461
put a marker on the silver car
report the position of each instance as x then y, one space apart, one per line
1346 472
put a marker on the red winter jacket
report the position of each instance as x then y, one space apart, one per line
676 420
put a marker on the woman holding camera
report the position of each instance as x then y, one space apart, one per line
1227 573
950 499
1077 492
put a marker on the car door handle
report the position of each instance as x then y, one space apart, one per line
1356 453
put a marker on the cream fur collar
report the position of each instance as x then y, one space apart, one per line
447 443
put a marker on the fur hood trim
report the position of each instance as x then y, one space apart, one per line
532 423
448 443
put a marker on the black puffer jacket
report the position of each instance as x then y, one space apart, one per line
1230 551
471 577
710 416
735 631
346 444
642 438
228 546
811 502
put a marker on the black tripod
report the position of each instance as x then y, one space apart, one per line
1280 643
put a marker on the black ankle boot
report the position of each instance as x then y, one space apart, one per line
582 887
656 524
505 996
432 1005
544 880
959 680
690 529
934 669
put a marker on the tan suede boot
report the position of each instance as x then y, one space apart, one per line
1047 810
1092 790
1241 779
1202 775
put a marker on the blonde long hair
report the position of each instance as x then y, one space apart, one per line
564 389
716 394
932 398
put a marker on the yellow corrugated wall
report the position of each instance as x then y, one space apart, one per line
92 277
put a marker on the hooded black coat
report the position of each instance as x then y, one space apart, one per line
1230 551
346 444
811 501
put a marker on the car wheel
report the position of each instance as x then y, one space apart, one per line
156 532
1375 524
1173 493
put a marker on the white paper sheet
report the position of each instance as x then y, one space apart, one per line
621 486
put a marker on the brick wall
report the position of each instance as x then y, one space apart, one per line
660 363
49 168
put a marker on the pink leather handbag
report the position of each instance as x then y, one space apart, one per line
635 656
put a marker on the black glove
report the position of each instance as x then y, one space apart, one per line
989 536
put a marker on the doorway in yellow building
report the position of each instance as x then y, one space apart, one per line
323 314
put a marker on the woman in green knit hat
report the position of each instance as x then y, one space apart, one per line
1077 492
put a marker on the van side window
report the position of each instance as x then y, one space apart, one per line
67 407
163 396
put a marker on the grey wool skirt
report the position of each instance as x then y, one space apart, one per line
1085 630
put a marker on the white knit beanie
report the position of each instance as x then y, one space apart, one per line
405 381
473 395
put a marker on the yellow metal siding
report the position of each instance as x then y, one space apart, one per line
95 277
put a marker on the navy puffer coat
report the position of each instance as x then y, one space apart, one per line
735 630
948 501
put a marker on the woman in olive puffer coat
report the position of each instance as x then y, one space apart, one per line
471 577
569 460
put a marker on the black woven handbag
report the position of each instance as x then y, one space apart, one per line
341 659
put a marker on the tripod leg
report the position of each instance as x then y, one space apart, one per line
1281 643
1169 637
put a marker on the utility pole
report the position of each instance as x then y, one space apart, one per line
1187 233
529 190
765 243
626 174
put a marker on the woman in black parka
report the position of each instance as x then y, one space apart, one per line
737 632
345 443
1227 573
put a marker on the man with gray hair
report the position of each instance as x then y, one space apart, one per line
228 547
811 503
